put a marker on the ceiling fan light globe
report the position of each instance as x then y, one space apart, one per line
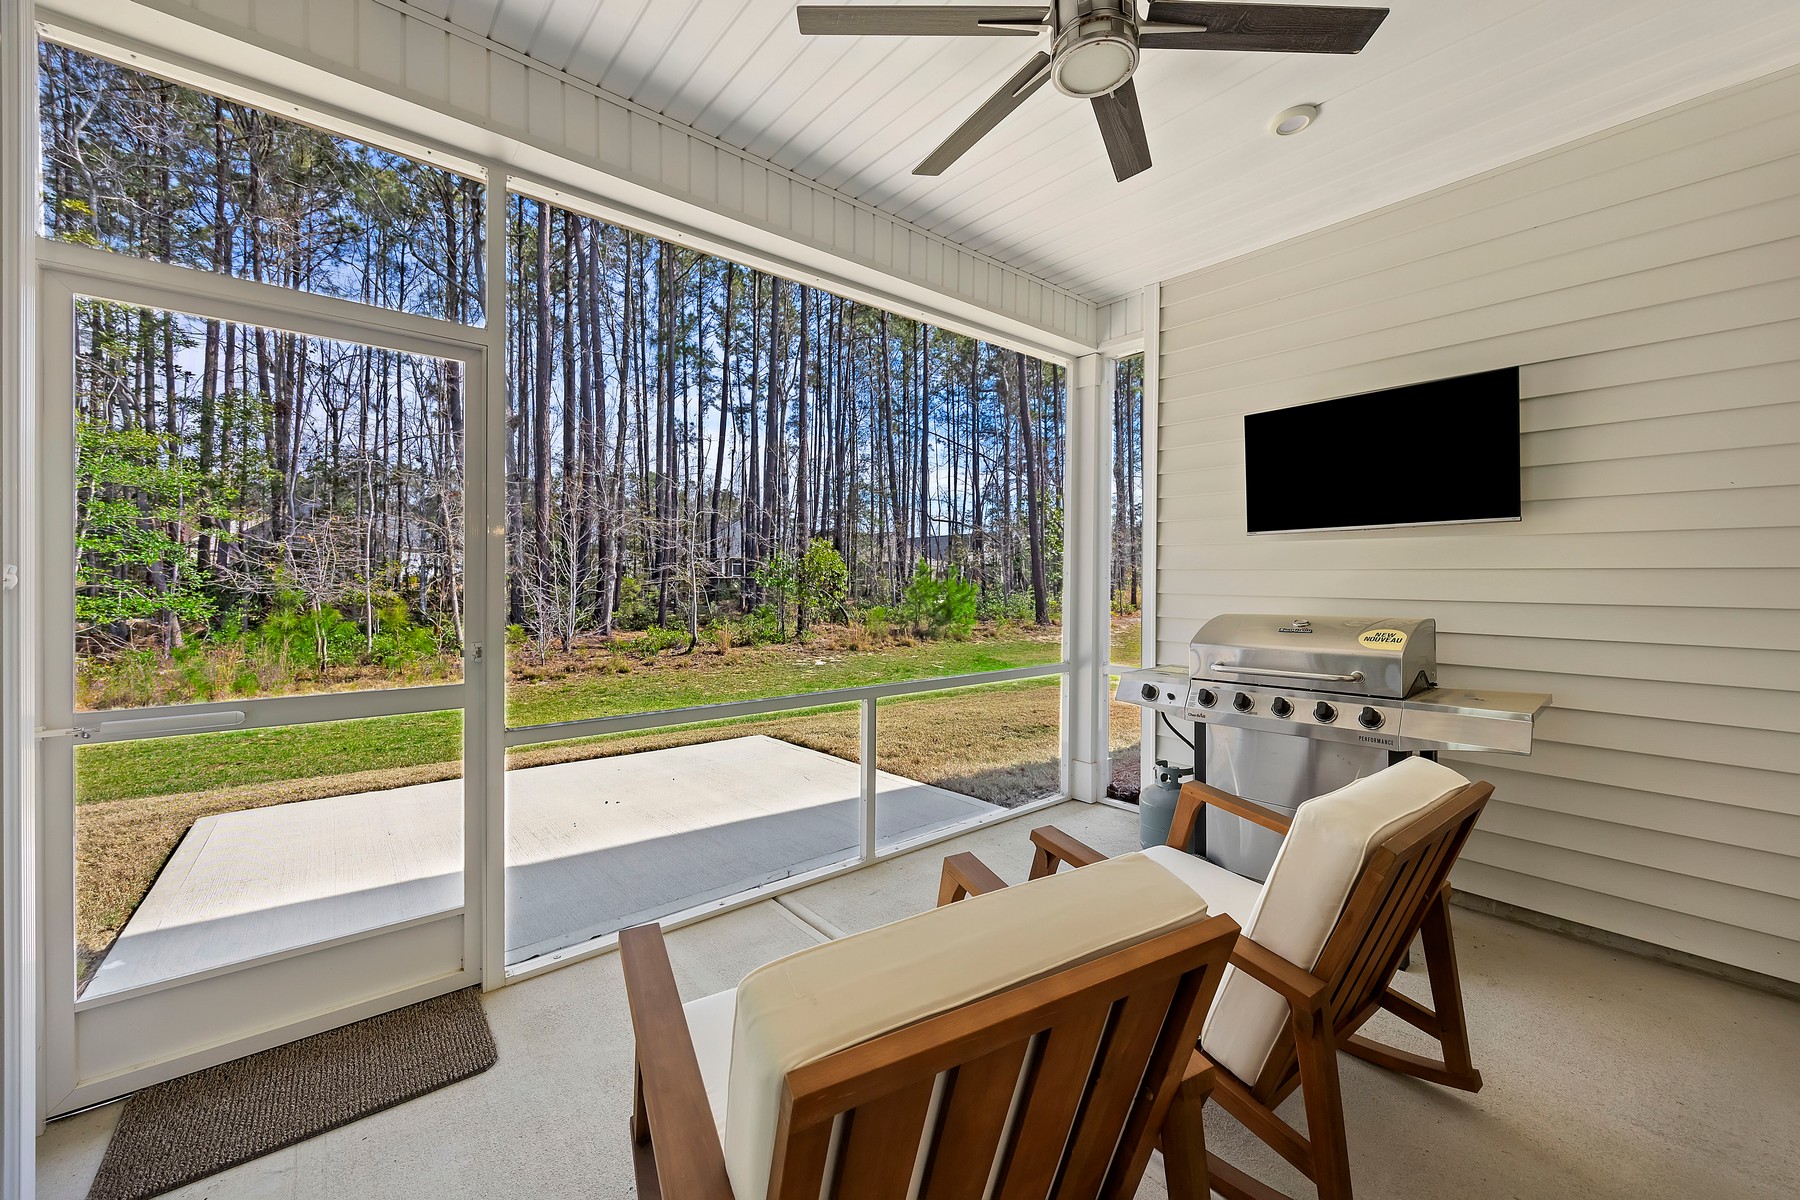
1096 68
1094 53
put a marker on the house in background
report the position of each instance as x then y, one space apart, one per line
477 476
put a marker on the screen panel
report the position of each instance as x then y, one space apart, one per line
1431 453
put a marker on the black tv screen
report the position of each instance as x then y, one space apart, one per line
1439 453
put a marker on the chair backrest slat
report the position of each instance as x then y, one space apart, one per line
977 1102
1058 1084
1124 1057
881 1144
799 1171
1386 907
1404 879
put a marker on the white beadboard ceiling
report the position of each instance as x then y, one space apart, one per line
1447 89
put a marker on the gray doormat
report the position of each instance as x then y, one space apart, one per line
176 1132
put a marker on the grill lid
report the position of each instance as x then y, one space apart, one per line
1389 657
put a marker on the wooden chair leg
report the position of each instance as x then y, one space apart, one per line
643 1153
1234 1184
1316 1054
1445 1021
640 1119
1446 993
1184 1135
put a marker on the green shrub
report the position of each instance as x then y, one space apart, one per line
637 610
940 607
879 621
821 580
760 627
658 638
779 578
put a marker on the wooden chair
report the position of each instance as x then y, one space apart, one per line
1400 889
1056 1085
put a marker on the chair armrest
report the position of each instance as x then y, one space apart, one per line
1196 796
966 875
1054 847
671 1108
1300 988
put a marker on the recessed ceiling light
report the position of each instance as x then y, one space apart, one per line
1291 121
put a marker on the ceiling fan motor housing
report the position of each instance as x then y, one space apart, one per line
1096 47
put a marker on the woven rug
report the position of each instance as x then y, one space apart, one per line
176 1132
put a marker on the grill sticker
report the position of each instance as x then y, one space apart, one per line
1384 639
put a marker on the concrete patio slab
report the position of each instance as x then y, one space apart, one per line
593 846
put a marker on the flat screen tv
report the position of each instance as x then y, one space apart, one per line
1439 453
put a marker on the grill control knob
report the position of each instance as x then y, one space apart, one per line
1369 718
1323 713
1280 707
1243 702
1207 697
1148 691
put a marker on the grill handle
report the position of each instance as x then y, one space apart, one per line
1353 677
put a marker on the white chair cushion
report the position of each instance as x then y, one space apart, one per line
1224 893
826 998
709 1027
1319 861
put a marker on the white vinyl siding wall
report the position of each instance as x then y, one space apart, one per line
1647 280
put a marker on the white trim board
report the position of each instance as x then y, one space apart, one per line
19 966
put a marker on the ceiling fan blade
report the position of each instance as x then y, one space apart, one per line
922 19
1122 126
1014 92
1289 28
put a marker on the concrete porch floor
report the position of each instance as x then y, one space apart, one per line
592 846
1606 1075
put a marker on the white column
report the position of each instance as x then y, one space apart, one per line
1152 534
484 567
1087 515
19 1105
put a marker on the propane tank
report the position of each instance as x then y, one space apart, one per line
1156 804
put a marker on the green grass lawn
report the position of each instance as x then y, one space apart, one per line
565 691
704 677
1128 640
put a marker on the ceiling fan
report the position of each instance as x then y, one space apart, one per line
1094 46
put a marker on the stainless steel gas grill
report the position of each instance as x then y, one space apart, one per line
1289 709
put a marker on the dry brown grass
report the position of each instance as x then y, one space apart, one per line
998 744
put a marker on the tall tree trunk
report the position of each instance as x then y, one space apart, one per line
726 351
540 419
891 493
802 517
593 414
978 538
750 520
923 337
665 374
567 604
774 414
1040 601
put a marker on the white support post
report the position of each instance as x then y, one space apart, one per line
1086 565
19 967
1151 534
869 767
485 771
